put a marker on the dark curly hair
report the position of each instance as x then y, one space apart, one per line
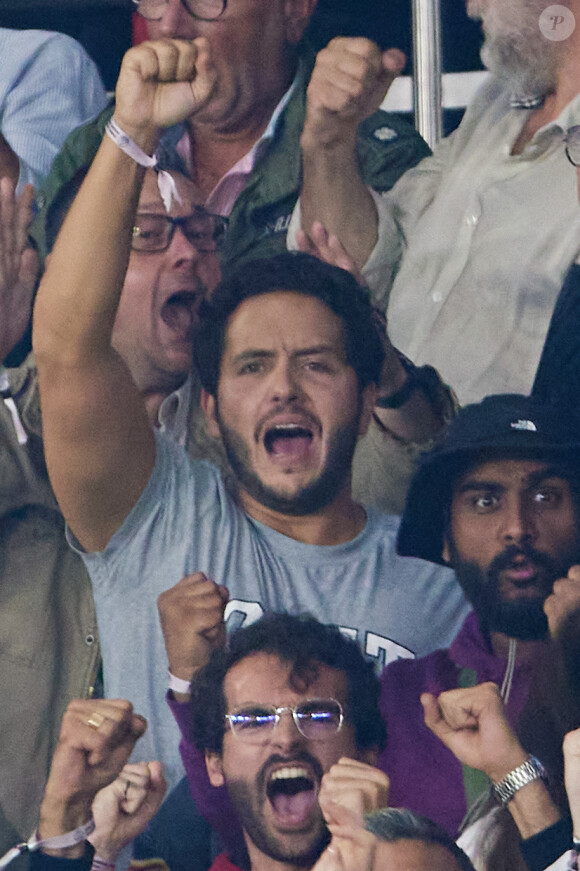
291 271
304 643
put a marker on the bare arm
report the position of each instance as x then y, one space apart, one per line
349 82
99 446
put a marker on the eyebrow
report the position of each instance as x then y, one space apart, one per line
533 479
259 353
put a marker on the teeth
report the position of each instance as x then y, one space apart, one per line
289 773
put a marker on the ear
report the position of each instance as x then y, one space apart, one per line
297 15
215 772
368 402
208 404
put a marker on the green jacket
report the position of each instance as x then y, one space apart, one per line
387 146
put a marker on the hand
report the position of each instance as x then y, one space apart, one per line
122 809
18 265
328 248
354 786
472 724
563 601
160 84
192 619
351 848
87 758
571 748
348 83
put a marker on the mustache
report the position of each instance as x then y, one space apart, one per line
290 407
277 759
506 558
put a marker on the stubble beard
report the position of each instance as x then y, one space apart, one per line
310 499
248 799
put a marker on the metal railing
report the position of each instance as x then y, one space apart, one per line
427 69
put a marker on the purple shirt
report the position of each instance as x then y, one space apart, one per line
425 776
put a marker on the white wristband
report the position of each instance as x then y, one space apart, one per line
165 181
178 685
59 842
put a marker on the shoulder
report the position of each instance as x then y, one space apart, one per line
387 146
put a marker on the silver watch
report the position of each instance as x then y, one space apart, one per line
530 770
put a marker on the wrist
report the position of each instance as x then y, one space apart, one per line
147 137
338 144
522 772
58 816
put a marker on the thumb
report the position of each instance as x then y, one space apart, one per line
431 711
393 62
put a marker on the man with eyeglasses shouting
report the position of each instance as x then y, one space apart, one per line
288 720
277 123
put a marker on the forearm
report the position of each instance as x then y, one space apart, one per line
78 296
532 809
413 403
334 194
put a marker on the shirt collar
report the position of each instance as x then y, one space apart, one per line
173 413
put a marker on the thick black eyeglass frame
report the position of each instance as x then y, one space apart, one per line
220 229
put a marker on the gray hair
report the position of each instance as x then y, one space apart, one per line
398 823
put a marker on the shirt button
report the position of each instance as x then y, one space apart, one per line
90 639
472 220
436 296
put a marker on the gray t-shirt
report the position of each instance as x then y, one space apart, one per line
185 521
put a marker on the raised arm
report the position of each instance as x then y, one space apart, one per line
471 723
99 447
348 84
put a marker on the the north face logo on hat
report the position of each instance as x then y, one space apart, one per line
524 424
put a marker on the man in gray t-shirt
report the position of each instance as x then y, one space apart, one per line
289 360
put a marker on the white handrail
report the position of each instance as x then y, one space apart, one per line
427 69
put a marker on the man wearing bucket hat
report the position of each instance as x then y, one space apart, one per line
499 501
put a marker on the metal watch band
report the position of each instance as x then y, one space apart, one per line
530 770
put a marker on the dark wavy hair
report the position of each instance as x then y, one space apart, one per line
290 271
304 643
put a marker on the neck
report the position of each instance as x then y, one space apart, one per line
215 150
261 862
337 523
525 650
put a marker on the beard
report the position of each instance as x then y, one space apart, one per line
515 51
311 498
248 799
523 619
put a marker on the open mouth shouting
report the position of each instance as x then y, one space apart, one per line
292 791
180 312
290 436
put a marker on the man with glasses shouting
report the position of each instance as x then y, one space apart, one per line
262 136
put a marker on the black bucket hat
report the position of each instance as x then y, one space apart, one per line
505 425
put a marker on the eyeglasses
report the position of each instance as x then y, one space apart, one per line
153 233
316 719
203 10
572 140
